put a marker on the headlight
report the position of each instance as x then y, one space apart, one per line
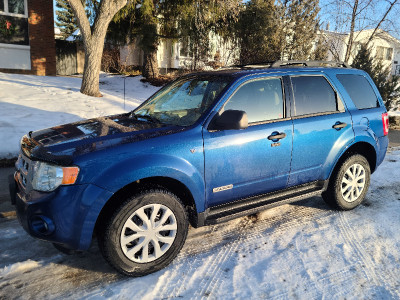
48 177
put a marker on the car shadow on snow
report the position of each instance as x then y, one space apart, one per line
58 84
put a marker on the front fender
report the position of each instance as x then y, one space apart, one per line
146 166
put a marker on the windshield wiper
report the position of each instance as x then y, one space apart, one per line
147 118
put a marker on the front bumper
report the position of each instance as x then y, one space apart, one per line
66 216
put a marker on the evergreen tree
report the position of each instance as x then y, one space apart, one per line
260 32
387 84
364 60
270 30
320 51
199 20
66 20
300 26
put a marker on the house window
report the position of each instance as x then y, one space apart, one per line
14 22
13 7
384 53
379 52
184 45
389 53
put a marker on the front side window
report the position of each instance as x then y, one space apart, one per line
182 102
313 95
262 100
360 91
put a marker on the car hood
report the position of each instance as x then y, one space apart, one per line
61 143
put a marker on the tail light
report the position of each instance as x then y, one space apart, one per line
385 121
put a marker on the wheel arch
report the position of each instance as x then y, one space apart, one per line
172 185
363 148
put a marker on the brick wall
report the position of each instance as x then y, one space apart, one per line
41 37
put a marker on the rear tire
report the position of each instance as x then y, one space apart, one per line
349 184
145 233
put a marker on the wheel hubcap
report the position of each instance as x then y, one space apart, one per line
353 183
148 233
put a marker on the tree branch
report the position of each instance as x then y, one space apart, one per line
81 18
381 21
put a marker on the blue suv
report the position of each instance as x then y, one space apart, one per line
206 148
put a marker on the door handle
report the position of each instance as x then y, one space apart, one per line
277 136
339 125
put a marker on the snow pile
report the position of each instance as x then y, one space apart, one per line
19 268
30 102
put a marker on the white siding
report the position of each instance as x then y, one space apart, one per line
15 57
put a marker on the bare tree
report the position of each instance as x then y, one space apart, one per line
355 16
392 4
93 39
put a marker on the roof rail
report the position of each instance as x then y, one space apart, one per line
309 63
294 63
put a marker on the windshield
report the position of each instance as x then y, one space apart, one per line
183 101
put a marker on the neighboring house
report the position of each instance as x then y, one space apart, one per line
172 54
383 46
27 37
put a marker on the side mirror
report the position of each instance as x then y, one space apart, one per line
230 120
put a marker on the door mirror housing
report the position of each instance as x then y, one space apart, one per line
230 120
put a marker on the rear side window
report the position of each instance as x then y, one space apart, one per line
313 95
359 89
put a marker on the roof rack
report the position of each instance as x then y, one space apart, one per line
296 63
309 63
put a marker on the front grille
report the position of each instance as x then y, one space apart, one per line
24 166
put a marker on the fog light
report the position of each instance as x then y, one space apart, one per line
42 225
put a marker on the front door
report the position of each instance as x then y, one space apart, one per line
243 163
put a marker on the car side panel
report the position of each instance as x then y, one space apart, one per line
178 156
316 145
161 165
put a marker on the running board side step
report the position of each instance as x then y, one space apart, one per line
248 206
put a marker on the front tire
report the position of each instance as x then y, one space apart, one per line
349 184
145 233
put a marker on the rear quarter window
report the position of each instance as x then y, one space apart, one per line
360 90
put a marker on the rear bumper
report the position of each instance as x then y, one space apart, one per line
66 216
382 145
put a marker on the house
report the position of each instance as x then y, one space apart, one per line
174 54
383 46
27 37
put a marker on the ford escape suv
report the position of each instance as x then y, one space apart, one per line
206 148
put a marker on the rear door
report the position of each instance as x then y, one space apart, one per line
322 128
242 163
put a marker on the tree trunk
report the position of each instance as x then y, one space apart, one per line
91 72
93 40
351 36
150 65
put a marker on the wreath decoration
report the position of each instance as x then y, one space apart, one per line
7 28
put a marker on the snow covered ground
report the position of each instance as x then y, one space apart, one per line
298 251
34 102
